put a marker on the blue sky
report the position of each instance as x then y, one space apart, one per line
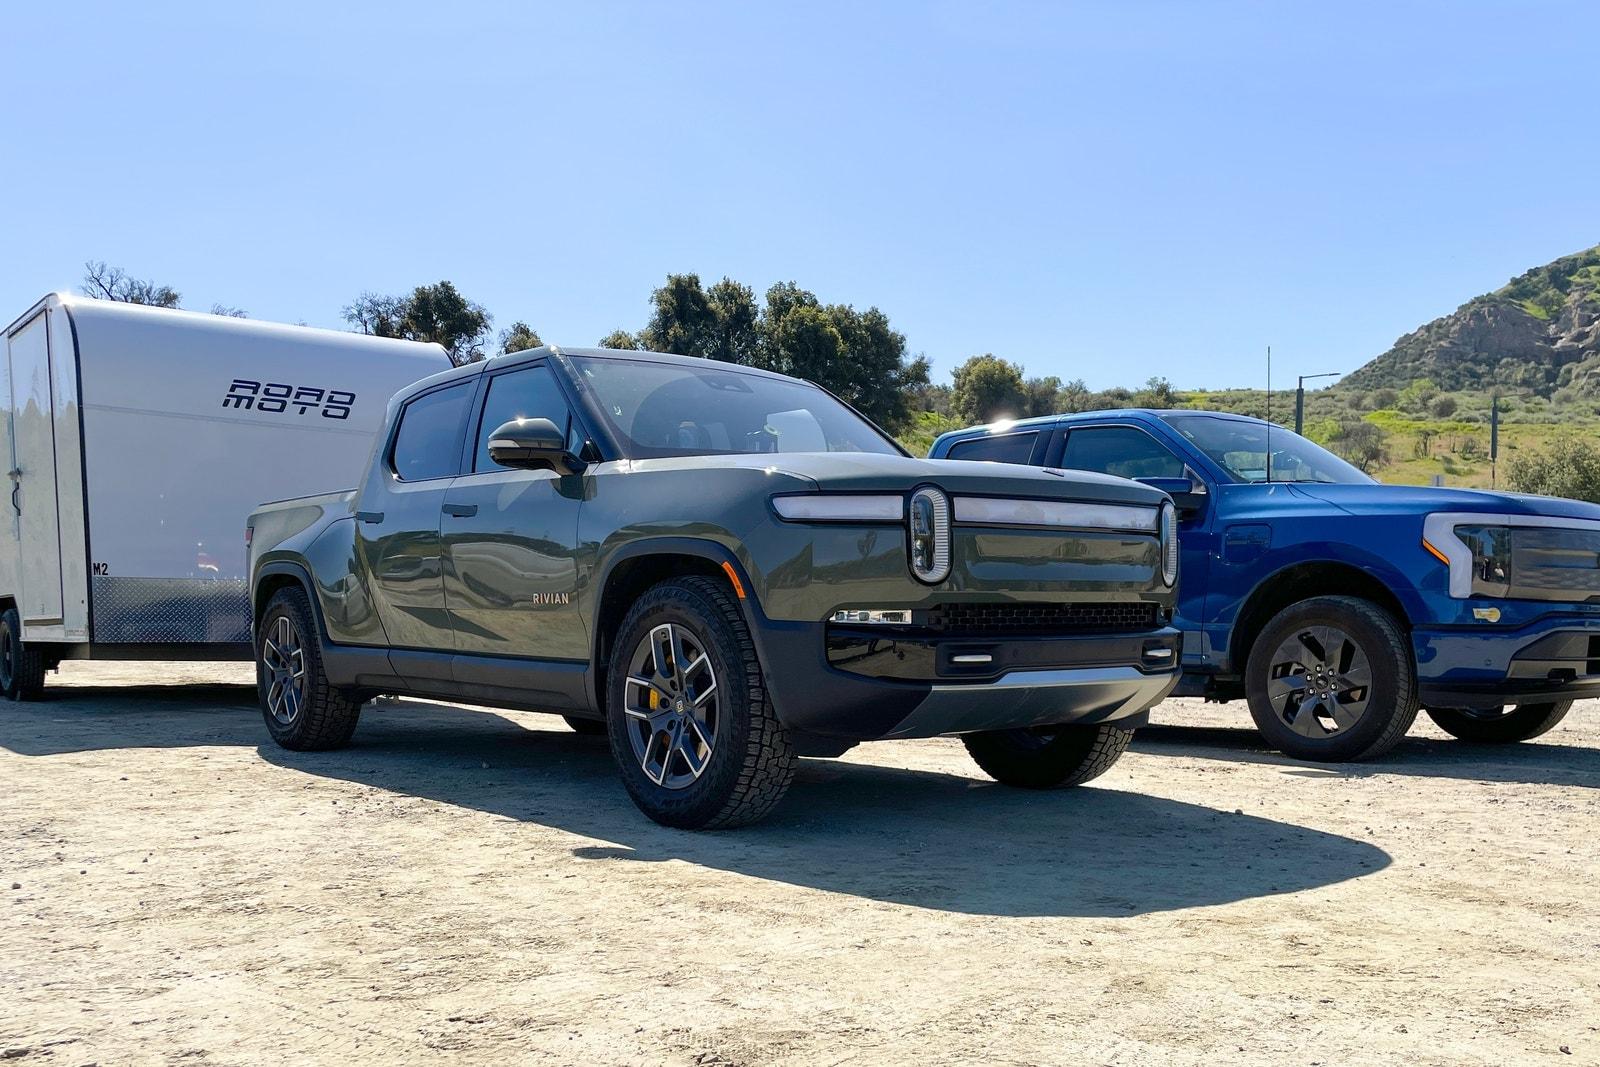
1108 191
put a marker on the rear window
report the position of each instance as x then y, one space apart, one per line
428 443
998 448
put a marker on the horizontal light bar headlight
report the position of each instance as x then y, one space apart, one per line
839 507
1064 514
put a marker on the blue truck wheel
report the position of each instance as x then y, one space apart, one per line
1501 726
1330 679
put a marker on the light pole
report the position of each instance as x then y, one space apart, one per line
1300 398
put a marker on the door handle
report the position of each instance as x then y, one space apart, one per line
461 511
369 516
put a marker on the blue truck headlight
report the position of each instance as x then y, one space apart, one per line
1518 557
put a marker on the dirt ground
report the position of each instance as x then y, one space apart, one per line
464 885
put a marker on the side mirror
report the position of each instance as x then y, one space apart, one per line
1188 493
533 444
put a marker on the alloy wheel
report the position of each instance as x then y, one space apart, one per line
1319 682
672 706
285 661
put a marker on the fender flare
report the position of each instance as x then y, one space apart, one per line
302 576
667 545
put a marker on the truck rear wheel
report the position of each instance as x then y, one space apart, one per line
693 733
303 712
1047 757
1500 726
21 668
1330 679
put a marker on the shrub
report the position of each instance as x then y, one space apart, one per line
1570 468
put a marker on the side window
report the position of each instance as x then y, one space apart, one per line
428 443
1000 448
525 393
1121 450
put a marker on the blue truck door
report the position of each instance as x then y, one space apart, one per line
1130 451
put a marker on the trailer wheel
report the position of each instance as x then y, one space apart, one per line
303 712
21 668
1048 757
1501 726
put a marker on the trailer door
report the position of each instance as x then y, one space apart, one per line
36 522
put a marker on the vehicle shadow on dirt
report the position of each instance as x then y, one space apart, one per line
923 838
1527 763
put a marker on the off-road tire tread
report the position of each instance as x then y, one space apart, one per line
330 715
27 682
767 765
1004 765
1405 680
1522 723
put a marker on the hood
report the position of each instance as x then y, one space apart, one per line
1418 499
868 472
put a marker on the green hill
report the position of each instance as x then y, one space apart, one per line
1540 333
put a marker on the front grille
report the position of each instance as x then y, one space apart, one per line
998 618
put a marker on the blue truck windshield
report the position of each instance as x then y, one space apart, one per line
1240 448
669 409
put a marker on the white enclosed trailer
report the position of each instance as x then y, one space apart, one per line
140 440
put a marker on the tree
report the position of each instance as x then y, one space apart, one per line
1157 393
1039 395
620 339
1443 407
1383 399
1074 396
1570 468
1360 443
986 388
519 337
376 314
113 283
436 313
229 312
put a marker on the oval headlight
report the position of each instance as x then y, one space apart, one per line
1169 543
928 524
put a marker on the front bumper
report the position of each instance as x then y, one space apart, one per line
1089 681
1553 658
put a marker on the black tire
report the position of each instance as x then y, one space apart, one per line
751 759
1375 721
21 668
321 716
586 727
1048 757
1522 723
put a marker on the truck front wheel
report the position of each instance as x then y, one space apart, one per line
1048 757
1330 679
1500 726
21 668
693 733
303 712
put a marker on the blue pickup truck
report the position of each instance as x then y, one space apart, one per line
1336 606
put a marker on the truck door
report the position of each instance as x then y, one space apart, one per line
397 526
1128 451
510 536
36 522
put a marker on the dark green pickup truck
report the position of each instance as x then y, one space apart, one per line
722 569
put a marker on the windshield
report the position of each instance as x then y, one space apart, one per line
670 409
1240 448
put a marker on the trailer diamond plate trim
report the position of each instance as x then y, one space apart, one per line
171 610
